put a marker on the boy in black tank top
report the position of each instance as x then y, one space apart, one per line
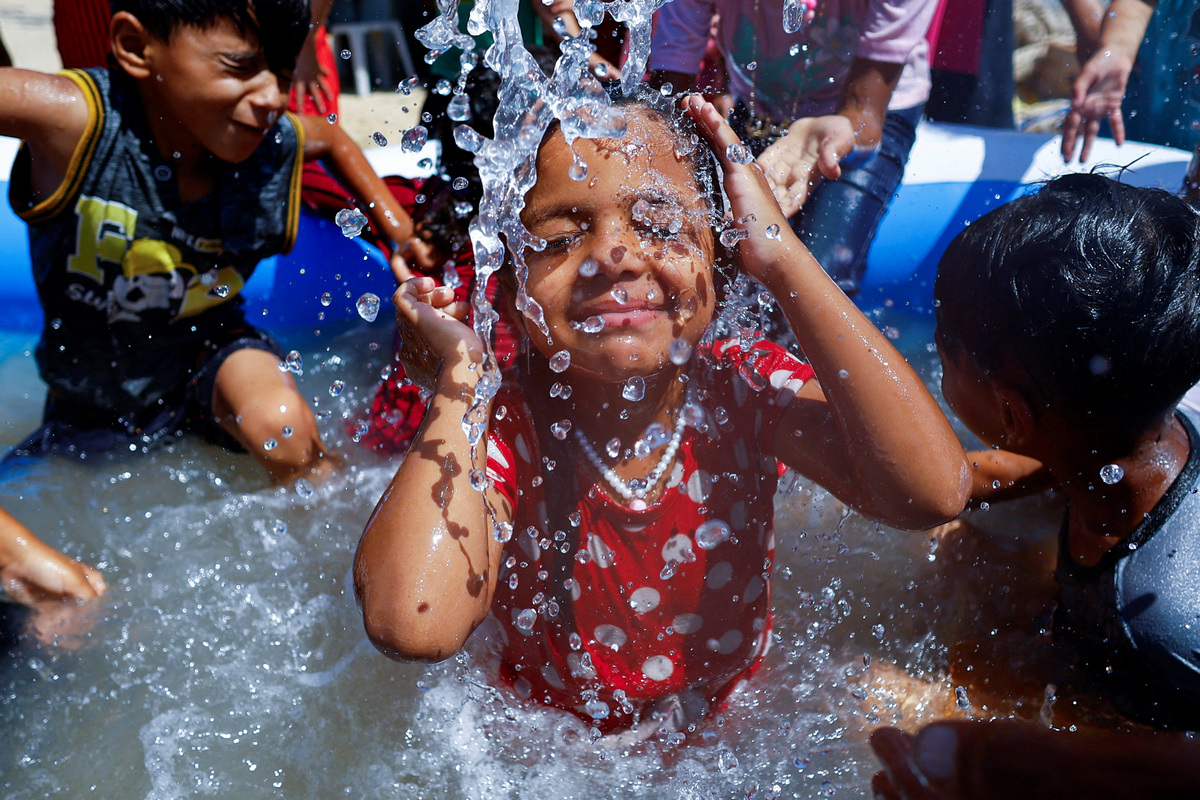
1069 328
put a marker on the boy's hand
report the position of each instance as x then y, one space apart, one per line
771 243
813 149
433 331
38 573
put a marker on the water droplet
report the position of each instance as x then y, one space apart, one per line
732 235
711 534
739 154
596 709
560 361
1111 473
794 50
304 488
459 108
641 448
525 620
331 119
773 232
326 299
294 363
634 389
361 429
593 324
270 444
407 85
751 66
414 139
336 388
379 139
459 184
578 169
793 17
502 531
351 221
463 208
680 351
613 448
368 306
561 429
287 431
877 632
479 479
221 291
346 55
960 697
619 294
589 268
727 762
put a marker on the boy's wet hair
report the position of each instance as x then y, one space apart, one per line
280 26
1086 293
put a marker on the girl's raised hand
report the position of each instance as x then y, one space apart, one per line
771 243
433 330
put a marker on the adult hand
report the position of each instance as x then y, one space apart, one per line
813 149
1007 759
1097 94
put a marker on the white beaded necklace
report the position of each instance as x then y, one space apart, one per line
635 489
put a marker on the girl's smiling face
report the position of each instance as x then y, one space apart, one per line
629 248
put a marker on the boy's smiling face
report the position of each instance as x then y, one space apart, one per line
212 91
630 247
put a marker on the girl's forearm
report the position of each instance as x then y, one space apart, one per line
908 467
426 565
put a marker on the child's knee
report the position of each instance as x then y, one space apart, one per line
282 436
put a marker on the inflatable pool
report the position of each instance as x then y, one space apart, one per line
955 174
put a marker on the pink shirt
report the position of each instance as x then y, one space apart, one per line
801 74
672 598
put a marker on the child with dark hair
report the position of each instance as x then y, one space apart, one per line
152 189
1069 328
619 522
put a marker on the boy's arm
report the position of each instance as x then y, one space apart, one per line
870 432
998 475
328 142
425 570
50 113
31 570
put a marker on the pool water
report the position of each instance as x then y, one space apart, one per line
228 658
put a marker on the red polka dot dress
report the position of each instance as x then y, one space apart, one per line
612 609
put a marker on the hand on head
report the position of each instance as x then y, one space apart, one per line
753 202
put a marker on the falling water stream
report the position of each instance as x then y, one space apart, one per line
228 658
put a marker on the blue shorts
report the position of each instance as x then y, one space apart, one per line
77 429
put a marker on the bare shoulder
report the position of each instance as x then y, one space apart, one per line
49 111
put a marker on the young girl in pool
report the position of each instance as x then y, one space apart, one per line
633 459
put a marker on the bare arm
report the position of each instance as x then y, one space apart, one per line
870 432
815 146
32 571
425 569
50 114
998 475
328 142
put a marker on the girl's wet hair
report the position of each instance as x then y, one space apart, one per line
280 26
688 140
1087 292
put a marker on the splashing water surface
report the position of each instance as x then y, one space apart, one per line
229 660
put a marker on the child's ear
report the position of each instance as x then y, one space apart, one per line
128 38
1016 417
